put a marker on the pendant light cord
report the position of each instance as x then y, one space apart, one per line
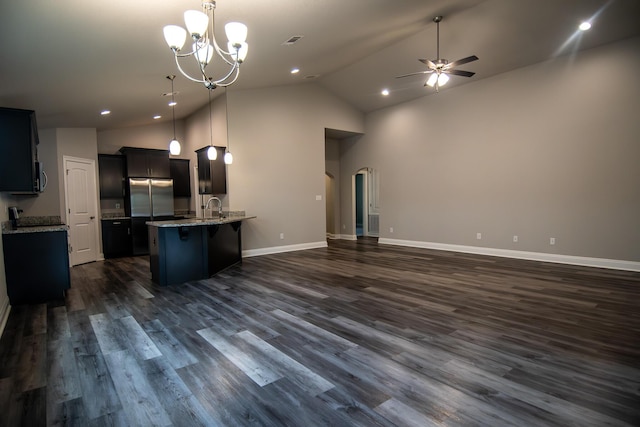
173 108
226 104
210 121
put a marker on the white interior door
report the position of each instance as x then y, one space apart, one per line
80 192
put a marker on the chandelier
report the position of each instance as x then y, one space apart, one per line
200 25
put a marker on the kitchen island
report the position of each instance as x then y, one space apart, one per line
194 248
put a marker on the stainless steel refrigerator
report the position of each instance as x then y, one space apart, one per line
149 200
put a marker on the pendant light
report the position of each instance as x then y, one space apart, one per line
212 153
228 157
174 145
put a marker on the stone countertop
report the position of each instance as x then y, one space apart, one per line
35 229
193 222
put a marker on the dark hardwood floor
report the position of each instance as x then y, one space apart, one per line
353 334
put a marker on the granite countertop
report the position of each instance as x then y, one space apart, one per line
35 229
193 222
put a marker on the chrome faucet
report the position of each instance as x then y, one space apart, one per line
219 205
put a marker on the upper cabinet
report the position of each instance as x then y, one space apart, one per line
147 163
18 139
181 177
112 176
212 174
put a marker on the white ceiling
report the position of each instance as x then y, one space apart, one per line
69 59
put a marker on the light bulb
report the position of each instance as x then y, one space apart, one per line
197 22
236 32
228 158
203 52
212 153
443 79
175 36
433 78
174 147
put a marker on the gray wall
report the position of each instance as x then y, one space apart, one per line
332 167
277 136
550 150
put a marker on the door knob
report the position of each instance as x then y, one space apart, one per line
92 217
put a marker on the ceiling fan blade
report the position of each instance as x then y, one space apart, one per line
460 73
462 61
415 74
428 62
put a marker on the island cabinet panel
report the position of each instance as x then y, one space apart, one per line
177 254
36 266
224 246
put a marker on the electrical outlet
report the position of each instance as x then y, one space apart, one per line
281 236
552 240
479 236
117 205
318 197
515 239
390 229
344 226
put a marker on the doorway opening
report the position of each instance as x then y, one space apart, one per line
365 203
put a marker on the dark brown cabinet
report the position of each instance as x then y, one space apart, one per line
116 237
212 174
18 140
112 176
147 163
181 177
36 266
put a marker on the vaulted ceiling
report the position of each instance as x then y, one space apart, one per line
70 59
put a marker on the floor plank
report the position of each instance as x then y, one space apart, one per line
355 334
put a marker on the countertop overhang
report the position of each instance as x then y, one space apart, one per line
194 222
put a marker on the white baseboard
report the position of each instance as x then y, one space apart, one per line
4 315
348 237
279 249
332 236
533 256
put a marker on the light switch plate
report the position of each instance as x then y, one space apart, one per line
318 197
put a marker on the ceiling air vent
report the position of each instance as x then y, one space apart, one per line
291 40
312 76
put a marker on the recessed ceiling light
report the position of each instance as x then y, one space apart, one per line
585 26
295 70
156 117
385 92
172 103
105 112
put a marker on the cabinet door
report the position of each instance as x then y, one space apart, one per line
181 177
212 174
17 145
112 176
147 163
158 164
36 266
116 238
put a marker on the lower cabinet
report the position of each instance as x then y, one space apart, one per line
177 254
116 238
224 246
181 254
36 266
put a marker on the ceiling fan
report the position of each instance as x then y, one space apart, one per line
440 68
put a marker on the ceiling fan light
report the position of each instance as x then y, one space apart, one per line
443 79
196 23
236 32
175 36
433 78
212 153
174 147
